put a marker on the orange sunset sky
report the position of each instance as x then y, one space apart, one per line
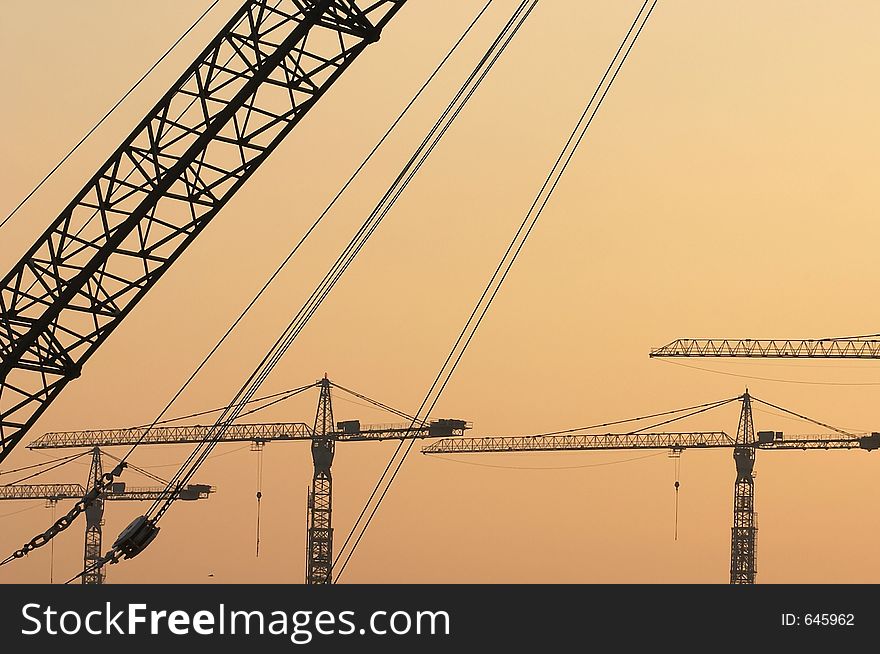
728 187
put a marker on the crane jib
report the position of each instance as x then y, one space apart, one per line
159 190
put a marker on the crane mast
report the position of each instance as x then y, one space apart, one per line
94 574
219 121
744 533
319 545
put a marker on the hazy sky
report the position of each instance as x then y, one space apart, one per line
728 188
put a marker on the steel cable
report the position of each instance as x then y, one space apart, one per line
637 419
321 217
413 166
170 491
506 264
375 403
107 115
843 432
69 457
42 472
768 379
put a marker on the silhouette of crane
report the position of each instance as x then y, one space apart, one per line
323 435
118 492
743 548
207 135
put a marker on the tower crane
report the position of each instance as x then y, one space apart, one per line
743 549
856 347
323 436
223 117
117 492
851 347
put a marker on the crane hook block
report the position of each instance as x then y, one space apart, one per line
134 539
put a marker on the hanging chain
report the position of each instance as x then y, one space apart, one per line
66 520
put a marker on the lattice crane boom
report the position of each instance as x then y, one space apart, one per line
119 492
823 348
48 492
346 431
766 440
579 442
186 159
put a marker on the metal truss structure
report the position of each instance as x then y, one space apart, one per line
48 492
744 533
323 436
826 348
743 557
319 539
655 440
766 440
118 492
170 435
351 431
95 574
186 159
